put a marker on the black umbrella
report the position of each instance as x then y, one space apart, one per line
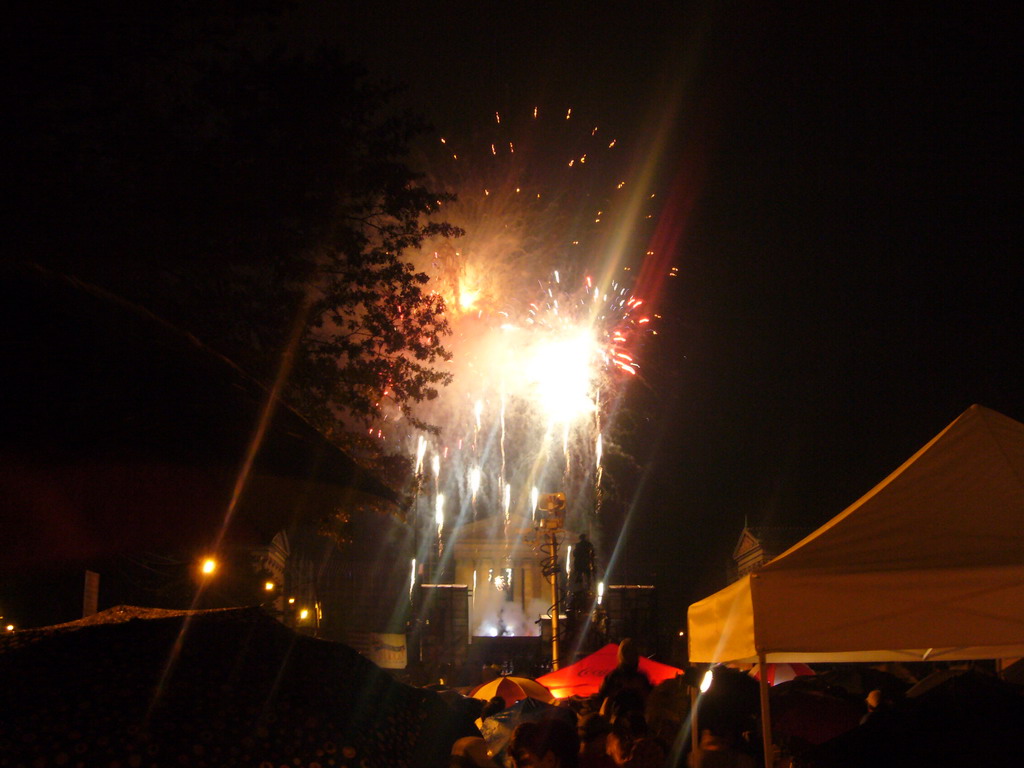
968 719
138 687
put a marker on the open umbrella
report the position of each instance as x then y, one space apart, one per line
497 729
813 717
512 689
969 719
781 673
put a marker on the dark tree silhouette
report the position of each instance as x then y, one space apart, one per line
199 159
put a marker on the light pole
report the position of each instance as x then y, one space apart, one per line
552 523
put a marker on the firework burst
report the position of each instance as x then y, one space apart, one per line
544 322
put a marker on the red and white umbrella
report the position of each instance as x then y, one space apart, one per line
512 689
781 673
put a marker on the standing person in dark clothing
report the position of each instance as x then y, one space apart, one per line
581 579
550 743
626 678
583 562
593 730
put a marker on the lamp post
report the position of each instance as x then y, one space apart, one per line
552 523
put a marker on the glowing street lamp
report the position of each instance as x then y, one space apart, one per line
208 567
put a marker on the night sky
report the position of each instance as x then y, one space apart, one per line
839 184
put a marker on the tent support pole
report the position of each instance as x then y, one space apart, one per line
766 712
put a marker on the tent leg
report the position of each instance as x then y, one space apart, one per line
766 713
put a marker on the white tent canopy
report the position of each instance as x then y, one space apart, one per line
928 565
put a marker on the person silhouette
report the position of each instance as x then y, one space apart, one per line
583 562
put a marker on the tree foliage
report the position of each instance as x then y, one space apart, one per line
198 159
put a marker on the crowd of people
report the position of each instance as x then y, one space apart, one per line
623 726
